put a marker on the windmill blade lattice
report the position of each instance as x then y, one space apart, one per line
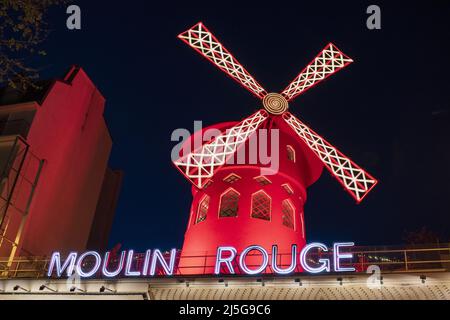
354 179
327 62
204 42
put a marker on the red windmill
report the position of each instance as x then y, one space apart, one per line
233 204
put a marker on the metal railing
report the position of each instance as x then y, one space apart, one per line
389 260
35 267
405 260
19 174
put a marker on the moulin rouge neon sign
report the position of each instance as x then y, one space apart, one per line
226 257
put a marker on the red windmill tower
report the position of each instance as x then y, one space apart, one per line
234 204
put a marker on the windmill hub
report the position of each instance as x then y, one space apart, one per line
275 103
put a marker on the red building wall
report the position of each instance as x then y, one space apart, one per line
68 132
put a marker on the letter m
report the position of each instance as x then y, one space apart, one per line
55 262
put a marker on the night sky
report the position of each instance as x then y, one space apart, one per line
389 110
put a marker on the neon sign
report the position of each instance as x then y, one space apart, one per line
324 263
91 263
76 263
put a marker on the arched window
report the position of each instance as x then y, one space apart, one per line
287 187
290 153
261 205
231 178
288 213
207 184
263 181
202 210
302 217
229 201
303 224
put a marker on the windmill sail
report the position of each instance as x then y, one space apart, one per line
204 42
355 180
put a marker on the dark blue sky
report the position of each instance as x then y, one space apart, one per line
379 110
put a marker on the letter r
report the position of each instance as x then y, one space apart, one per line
227 260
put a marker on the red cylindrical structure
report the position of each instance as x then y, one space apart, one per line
244 206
